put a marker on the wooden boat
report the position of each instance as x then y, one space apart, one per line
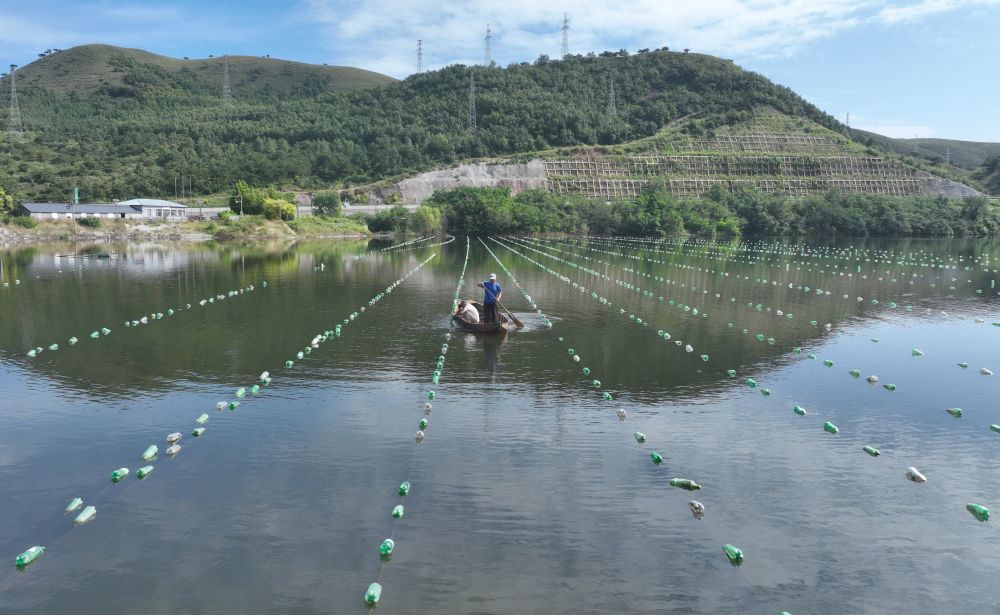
491 327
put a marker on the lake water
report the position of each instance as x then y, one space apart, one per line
529 494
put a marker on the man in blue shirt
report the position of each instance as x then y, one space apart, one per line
492 293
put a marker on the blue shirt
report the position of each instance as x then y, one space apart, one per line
492 287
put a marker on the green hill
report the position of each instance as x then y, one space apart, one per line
90 70
122 123
964 154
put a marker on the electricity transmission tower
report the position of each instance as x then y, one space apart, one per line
16 128
227 95
489 52
420 56
472 104
565 36
612 110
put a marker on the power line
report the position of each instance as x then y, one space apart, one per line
612 109
472 104
227 95
489 51
16 128
565 36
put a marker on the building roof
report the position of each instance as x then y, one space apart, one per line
83 208
151 203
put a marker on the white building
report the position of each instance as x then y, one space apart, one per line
144 209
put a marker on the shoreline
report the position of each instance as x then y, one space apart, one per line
112 231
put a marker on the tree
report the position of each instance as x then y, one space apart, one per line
278 209
426 220
6 202
327 203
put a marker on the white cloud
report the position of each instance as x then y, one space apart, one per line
925 8
384 34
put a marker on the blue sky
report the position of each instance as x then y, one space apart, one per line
899 67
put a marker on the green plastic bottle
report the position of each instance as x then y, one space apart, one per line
607 396
765 392
871 450
372 595
735 555
25 559
597 384
430 394
828 362
404 488
656 457
386 547
830 427
811 356
684 483
198 431
955 412
150 452
889 387
731 372
95 335
639 437
799 410
855 373
74 504
143 472
289 363
751 383
201 420
118 475
995 428
422 423
979 512
255 389
234 405
397 512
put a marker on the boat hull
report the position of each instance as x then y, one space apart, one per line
491 327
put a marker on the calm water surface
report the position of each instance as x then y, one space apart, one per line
529 495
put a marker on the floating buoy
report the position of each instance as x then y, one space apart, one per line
622 414
24 559
150 452
735 555
985 371
173 450
684 483
201 420
872 379
74 504
386 547
914 475
372 595
173 437
697 509
981 513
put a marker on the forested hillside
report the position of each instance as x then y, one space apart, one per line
137 134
